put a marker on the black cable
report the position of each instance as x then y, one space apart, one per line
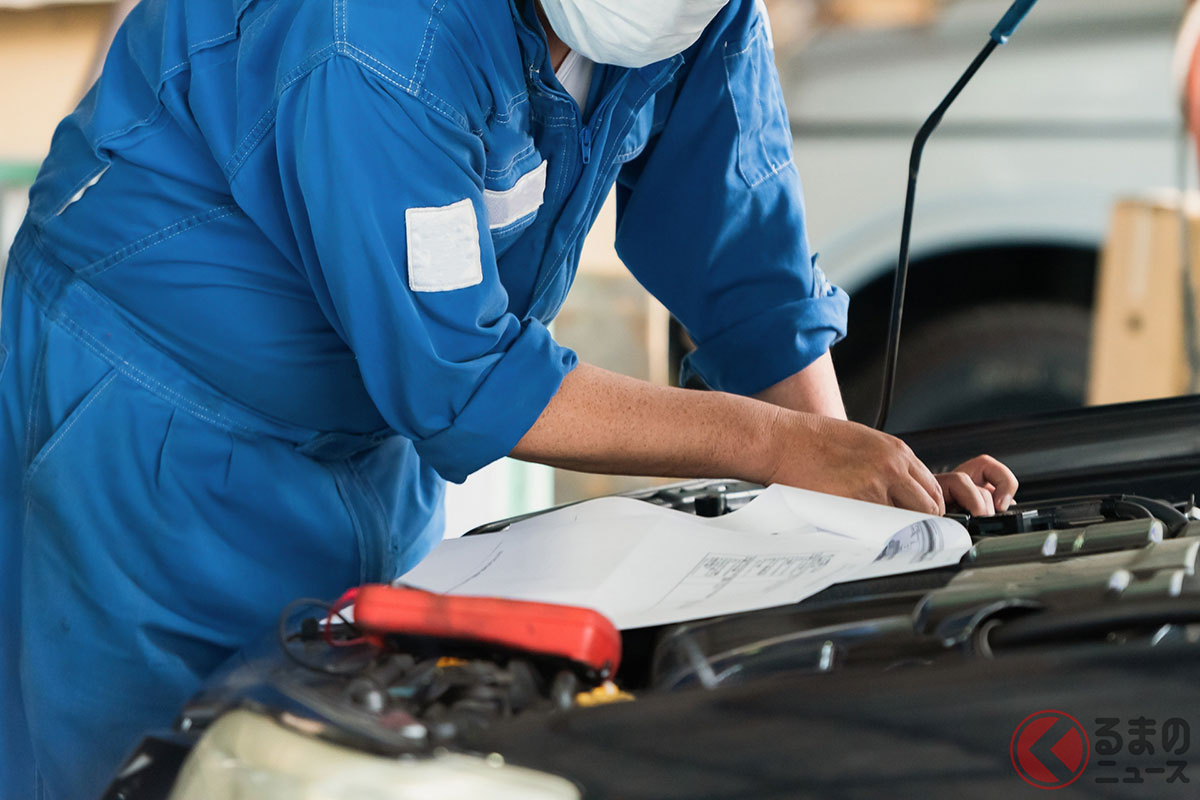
1122 506
284 638
1174 520
901 284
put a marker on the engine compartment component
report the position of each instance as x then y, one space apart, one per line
450 675
1111 556
1059 576
580 638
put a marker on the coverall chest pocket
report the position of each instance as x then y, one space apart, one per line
72 382
513 203
764 146
514 181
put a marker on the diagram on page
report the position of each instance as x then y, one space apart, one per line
739 574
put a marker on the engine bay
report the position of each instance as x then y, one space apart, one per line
1115 570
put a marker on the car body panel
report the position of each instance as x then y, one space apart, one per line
1076 111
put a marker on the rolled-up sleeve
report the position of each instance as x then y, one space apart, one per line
711 215
385 196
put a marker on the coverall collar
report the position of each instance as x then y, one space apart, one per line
534 47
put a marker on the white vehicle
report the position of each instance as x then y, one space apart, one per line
1016 192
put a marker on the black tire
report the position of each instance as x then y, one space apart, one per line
995 362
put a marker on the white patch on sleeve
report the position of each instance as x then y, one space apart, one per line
515 204
443 248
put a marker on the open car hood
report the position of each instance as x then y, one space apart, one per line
917 685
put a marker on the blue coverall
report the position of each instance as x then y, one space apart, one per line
289 266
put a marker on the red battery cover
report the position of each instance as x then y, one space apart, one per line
580 635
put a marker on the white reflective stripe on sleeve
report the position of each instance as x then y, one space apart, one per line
512 205
443 248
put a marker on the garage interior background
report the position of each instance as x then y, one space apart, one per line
1017 210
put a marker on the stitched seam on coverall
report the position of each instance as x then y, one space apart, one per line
778 169
369 490
146 120
76 415
514 101
529 149
632 153
55 314
159 236
342 479
775 168
39 372
415 84
376 501
163 77
155 387
410 86
558 121
258 133
427 42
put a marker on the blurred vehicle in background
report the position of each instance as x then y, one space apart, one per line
1016 194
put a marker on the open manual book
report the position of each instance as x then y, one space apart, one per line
641 564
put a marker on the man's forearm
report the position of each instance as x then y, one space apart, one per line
814 390
604 422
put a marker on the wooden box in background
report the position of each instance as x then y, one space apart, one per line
880 13
1139 339
48 54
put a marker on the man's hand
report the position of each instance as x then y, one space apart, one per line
852 460
602 422
981 486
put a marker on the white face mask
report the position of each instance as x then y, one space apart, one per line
630 33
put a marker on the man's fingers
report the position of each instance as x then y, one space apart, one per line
960 489
984 470
989 501
914 496
926 480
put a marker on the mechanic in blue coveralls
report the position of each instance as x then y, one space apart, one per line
289 267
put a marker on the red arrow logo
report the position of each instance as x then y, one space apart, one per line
1062 762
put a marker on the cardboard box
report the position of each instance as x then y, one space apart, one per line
1140 335
881 13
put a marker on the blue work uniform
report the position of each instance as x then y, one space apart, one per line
287 268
